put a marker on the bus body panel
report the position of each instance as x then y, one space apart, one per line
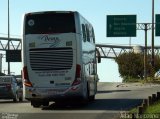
89 59
39 60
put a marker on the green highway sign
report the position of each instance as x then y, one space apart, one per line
157 24
121 25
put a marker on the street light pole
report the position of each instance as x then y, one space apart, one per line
145 53
8 37
152 60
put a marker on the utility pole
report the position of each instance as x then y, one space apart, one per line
8 37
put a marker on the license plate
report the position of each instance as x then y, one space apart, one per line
55 92
2 86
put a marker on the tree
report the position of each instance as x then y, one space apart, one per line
132 65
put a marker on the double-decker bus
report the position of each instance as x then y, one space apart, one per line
59 57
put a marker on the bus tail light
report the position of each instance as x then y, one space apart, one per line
76 82
78 75
26 78
78 71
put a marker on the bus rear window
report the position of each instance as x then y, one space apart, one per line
49 23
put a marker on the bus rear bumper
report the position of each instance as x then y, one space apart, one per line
54 94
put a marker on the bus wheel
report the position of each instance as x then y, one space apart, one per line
21 99
15 99
86 95
46 103
92 98
35 104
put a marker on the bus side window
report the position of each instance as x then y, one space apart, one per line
93 36
84 32
87 31
89 69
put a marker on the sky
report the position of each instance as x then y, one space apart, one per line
95 11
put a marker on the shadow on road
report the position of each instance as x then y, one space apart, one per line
98 104
112 91
11 101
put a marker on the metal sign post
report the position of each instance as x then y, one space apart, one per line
145 53
145 27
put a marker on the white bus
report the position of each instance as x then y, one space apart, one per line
59 57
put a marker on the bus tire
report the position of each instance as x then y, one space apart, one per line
92 98
35 104
86 96
15 99
46 103
20 99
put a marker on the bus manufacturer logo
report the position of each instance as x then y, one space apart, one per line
53 41
47 38
31 22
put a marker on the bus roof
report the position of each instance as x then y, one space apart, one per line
47 12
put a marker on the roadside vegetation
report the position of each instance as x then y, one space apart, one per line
154 109
131 67
152 112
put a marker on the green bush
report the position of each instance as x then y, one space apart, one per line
131 66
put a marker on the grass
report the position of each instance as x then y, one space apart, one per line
153 109
152 112
134 110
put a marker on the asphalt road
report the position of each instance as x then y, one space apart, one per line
111 99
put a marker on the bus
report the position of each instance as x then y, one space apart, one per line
59 57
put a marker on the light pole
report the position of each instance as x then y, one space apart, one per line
152 41
152 33
8 36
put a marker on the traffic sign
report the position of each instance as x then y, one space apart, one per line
121 25
13 55
157 24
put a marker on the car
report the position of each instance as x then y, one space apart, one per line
157 74
11 88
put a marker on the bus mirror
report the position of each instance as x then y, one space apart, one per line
98 56
99 59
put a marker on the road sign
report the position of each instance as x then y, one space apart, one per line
121 25
157 24
13 55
